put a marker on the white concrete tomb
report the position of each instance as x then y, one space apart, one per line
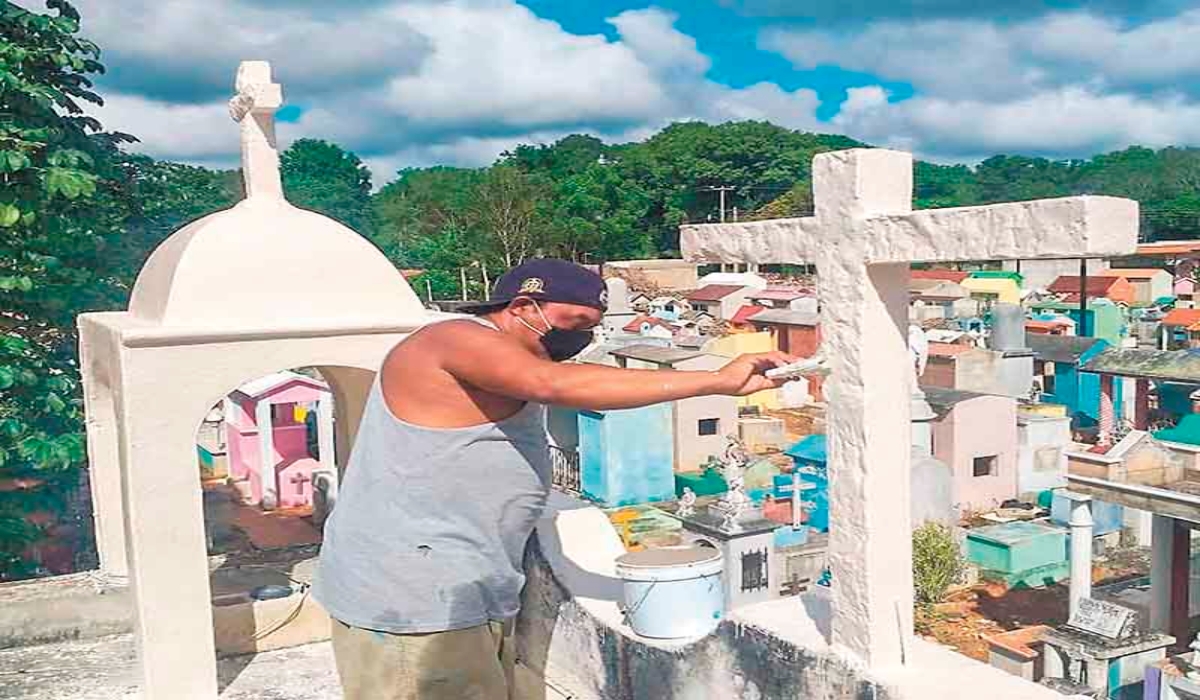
238 294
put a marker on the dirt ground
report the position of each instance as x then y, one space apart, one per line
970 614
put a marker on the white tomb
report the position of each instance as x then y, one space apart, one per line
236 295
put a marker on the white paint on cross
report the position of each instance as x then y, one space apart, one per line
862 237
253 107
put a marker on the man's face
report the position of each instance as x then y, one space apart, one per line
570 317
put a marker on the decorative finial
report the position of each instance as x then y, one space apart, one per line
254 108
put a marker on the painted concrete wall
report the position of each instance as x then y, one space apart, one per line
979 427
932 495
626 456
1005 290
693 449
1041 459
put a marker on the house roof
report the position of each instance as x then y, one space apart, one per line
942 401
811 448
743 314
1133 272
656 354
266 384
635 325
1182 317
714 292
939 274
1046 326
1169 248
948 349
998 275
779 294
1096 285
937 289
1093 304
1060 348
787 317
1164 365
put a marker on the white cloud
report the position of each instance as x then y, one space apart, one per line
491 75
1071 120
501 63
187 50
651 35
1063 84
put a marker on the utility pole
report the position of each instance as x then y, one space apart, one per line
721 190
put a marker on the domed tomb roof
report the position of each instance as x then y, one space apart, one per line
265 263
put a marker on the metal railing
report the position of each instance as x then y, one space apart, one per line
564 469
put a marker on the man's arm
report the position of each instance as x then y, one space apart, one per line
478 356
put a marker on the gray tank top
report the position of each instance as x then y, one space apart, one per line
431 524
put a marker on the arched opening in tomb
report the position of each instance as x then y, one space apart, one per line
267 466
270 455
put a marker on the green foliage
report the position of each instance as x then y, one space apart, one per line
53 160
323 177
937 563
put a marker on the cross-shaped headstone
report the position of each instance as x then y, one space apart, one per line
862 237
254 108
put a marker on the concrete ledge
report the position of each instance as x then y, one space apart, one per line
78 606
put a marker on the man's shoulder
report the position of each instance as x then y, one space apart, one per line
455 332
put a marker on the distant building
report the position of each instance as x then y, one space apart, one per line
1112 287
1149 284
1056 367
1103 318
663 274
994 286
699 425
976 436
720 301
1180 329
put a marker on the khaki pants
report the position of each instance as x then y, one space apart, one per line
468 664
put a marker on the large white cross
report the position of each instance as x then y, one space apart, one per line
254 108
862 237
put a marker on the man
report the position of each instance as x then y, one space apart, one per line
421 566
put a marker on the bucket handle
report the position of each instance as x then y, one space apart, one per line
629 611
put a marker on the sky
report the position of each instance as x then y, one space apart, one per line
408 83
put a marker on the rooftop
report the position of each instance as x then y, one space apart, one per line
787 317
942 401
743 314
939 274
780 293
1166 248
714 292
1182 317
1167 365
1092 304
1133 272
1096 285
656 354
948 349
1060 348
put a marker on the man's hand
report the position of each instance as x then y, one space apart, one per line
744 375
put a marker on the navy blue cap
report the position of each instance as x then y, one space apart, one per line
547 279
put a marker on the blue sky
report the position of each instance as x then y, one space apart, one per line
422 82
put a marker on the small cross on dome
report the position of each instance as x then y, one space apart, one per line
254 108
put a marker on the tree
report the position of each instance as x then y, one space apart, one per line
323 177
53 160
505 207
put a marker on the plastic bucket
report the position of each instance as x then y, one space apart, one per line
672 592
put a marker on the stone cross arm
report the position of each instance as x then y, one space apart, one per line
863 210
